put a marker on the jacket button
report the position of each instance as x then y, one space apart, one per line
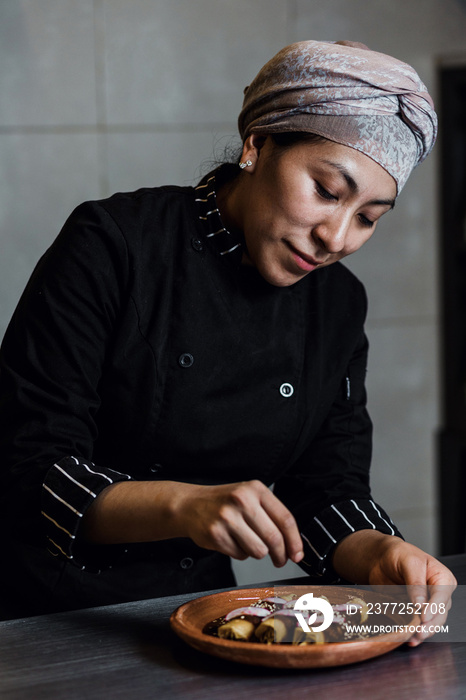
186 563
286 390
155 468
185 360
197 244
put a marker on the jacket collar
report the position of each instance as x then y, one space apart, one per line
228 245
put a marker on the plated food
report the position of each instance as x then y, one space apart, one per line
195 621
273 620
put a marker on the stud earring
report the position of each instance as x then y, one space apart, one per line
245 165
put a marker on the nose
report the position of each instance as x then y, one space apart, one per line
331 233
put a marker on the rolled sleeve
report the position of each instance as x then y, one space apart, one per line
335 523
69 488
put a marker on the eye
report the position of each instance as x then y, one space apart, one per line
325 193
367 223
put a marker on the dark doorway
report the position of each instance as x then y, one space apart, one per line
452 439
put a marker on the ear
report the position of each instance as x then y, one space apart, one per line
252 148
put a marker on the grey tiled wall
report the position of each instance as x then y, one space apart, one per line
105 95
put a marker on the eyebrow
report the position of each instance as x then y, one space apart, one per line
353 185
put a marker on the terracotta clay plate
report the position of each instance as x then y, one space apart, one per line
189 620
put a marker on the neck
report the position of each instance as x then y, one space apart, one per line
230 202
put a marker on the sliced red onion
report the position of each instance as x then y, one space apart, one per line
275 600
250 611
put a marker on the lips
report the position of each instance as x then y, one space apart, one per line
304 262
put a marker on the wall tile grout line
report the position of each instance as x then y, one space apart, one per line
99 128
100 97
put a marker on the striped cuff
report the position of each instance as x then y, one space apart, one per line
333 524
69 488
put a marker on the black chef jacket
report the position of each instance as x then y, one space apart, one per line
141 349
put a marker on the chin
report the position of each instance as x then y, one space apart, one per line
274 272
281 278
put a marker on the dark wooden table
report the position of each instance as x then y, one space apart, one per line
129 651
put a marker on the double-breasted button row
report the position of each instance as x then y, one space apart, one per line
186 360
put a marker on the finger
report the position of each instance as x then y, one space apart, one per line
225 540
441 585
428 610
245 524
254 531
436 605
413 573
269 519
434 610
251 542
269 534
434 614
286 523
418 593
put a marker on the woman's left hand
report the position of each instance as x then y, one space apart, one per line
371 557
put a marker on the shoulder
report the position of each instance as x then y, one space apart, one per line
142 207
134 221
149 198
122 235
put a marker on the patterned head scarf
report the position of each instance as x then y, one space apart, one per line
347 93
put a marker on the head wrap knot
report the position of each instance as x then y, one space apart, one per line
349 94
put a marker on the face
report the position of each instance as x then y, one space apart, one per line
305 206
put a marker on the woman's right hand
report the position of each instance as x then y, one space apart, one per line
241 520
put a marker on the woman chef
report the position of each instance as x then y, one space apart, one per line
178 350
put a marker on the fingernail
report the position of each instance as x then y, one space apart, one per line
298 556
